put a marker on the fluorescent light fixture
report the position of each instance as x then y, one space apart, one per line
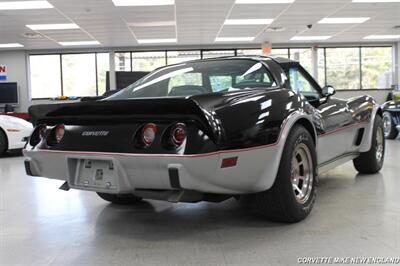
142 41
79 43
310 38
10 45
15 5
152 23
234 39
65 26
248 21
143 2
376 1
381 37
343 20
264 1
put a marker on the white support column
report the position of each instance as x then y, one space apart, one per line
396 64
112 80
314 62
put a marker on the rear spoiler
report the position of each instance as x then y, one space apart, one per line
122 111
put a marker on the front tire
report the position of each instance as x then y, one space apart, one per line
119 199
371 162
293 194
389 126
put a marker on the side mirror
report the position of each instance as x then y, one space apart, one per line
328 91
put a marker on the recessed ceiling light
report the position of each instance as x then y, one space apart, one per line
152 23
343 20
380 37
141 41
64 26
264 1
310 38
248 21
15 5
143 2
376 1
234 39
75 43
10 45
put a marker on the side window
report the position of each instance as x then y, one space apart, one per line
256 76
185 79
220 83
300 83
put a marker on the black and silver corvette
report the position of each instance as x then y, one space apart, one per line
256 128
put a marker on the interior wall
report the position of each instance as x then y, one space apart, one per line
16 64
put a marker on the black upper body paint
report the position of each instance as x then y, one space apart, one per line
215 121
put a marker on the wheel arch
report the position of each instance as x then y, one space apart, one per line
5 135
296 118
307 124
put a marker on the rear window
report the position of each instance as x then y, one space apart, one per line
200 77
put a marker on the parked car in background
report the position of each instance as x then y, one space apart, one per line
256 128
14 133
391 118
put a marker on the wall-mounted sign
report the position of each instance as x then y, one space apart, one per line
3 72
266 48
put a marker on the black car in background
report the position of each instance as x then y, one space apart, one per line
391 119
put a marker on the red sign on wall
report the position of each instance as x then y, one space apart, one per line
3 72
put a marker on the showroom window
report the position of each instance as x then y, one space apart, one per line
302 55
82 74
356 67
376 67
123 61
280 52
102 66
176 57
217 53
343 68
249 52
321 64
147 61
45 76
79 74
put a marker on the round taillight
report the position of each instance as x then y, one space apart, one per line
59 133
149 134
178 134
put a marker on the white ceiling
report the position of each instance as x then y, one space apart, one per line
198 22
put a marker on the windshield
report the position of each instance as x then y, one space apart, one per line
199 77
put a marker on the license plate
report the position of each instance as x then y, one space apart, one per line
95 174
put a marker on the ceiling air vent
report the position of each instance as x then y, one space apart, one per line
275 29
32 35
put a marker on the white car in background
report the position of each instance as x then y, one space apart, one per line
14 132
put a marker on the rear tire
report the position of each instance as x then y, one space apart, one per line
371 162
293 194
120 199
389 126
3 143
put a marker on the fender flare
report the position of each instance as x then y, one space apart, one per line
267 180
367 140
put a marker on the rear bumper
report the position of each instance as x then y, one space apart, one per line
255 170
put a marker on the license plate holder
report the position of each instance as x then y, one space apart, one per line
94 174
